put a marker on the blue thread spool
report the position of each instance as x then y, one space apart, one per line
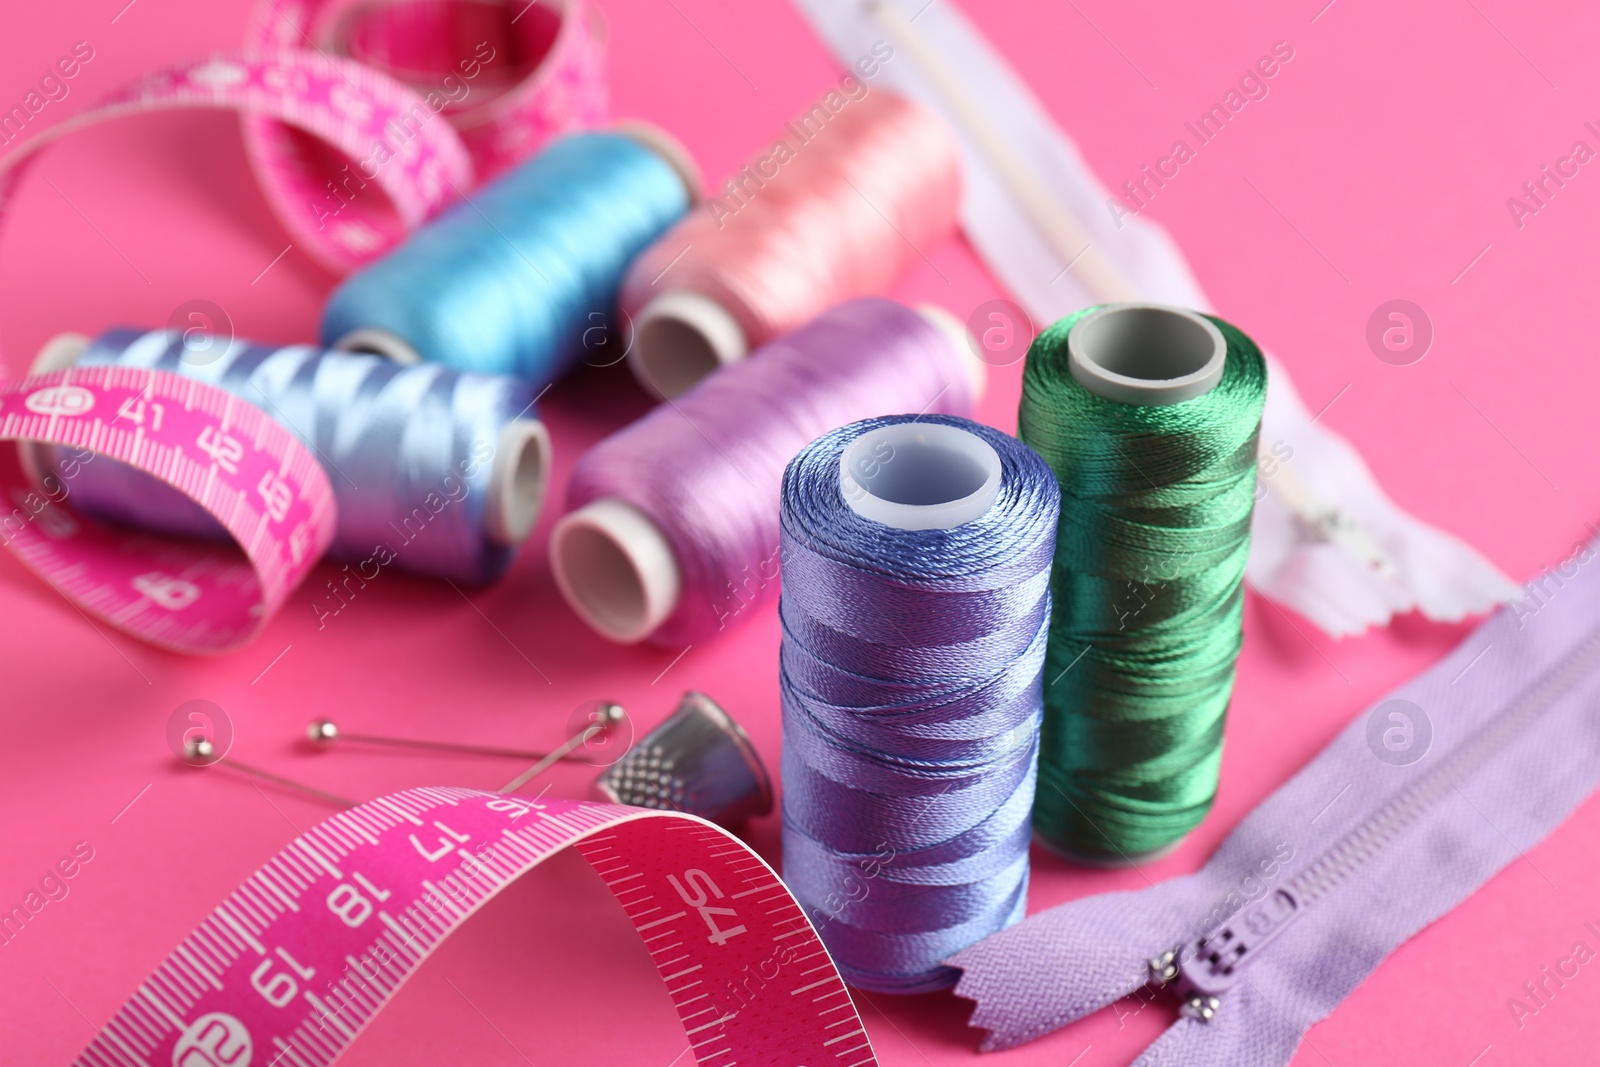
435 472
521 277
916 602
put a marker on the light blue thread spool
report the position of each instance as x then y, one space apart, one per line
521 277
435 472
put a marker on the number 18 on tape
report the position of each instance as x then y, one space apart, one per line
293 965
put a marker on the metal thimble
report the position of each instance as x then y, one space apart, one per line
698 761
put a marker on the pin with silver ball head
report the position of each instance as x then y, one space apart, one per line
325 734
200 752
607 716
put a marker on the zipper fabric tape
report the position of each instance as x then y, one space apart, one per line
291 967
1412 808
249 473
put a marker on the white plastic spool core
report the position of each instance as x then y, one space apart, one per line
60 352
616 569
1147 354
517 480
375 342
919 476
679 338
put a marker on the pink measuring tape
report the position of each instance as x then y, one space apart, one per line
509 75
350 158
289 968
345 106
229 457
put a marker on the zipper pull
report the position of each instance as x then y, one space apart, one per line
1209 966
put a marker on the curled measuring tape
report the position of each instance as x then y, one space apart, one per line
324 130
507 74
347 108
224 454
293 965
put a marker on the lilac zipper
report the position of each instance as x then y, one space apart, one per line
1275 946
1210 965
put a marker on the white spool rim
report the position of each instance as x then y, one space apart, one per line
955 332
920 475
518 478
670 149
376 342
1147 354
680 338
616 569
60 352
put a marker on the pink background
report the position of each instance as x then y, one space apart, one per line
1378 168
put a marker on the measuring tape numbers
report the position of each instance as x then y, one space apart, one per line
342 107
248 472
507 76
290 968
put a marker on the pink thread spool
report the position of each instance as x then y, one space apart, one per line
672 532
850 195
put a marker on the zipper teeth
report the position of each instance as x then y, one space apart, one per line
1405 807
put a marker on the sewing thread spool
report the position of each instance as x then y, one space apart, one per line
434 472
852 193
1149 416
673 529
522 275
916 564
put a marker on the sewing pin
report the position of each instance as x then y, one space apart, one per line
200 752
324 733
607 716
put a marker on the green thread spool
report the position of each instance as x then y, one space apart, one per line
1148 415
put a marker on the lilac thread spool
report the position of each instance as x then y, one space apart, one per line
673 529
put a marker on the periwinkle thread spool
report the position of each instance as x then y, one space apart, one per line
916 600
523 274
673 529
851 194
1149 417
434 472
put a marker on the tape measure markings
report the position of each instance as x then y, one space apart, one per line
251 474
565 90
337 101
295 963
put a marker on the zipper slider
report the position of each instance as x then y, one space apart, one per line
1209 966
